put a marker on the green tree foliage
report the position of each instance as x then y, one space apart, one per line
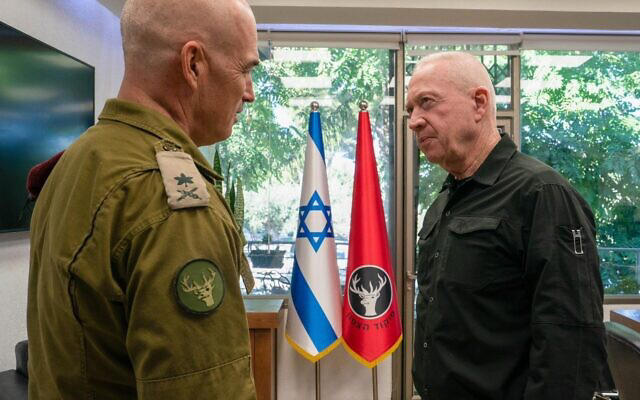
238 211
584 121
217 167
268 144
261 148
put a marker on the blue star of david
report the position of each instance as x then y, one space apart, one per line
315 238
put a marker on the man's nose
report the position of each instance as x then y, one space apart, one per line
248 96
415 123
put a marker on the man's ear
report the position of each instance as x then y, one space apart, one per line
481 99
192 62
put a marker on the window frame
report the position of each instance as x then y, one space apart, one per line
405 151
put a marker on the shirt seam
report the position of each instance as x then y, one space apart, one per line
98 207
190 374
153 130
144 225
155 219
575 324
137 124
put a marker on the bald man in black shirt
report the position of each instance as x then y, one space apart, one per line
510 295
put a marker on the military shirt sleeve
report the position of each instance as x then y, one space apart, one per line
568 348
187 332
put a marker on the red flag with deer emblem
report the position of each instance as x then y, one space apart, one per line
371 326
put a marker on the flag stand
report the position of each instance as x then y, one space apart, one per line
318 382
374 375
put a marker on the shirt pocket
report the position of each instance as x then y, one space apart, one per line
423 246
474 251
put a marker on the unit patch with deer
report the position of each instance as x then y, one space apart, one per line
199 287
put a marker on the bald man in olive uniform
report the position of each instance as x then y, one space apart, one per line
135 257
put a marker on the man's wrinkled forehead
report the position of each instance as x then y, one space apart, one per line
424 79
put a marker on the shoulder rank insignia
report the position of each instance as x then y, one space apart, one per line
183 183
199 287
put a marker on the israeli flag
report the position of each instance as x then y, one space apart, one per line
314 319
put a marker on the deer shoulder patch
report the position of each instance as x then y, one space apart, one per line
199 287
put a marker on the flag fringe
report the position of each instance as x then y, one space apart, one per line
308 356
375 362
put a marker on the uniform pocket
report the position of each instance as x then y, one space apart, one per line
476 252
423 234
427 228
464 225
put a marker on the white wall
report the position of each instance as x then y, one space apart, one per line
14 271
88 31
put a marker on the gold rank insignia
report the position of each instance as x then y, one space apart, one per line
199 286
183 183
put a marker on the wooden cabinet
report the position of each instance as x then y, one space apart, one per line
264 316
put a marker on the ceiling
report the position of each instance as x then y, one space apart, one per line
543 14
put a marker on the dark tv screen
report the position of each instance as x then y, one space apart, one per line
46 102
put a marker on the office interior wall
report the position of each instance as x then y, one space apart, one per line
88 31
14 271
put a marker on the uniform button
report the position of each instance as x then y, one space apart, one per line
425 345
437 254
448 213
430 299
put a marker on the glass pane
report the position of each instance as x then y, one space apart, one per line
268 144
581 115
498 65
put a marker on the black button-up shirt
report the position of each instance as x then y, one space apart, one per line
509 304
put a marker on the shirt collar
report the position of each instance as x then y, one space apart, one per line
492 167
158 125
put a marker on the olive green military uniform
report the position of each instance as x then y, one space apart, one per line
131 296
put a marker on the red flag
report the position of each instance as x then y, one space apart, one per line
371 327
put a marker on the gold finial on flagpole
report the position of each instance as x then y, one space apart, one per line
363 105
315 106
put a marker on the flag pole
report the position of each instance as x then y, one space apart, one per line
369 264
374 373
314 322
318 382
314 108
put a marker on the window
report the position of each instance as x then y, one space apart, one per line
266 150
580 114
